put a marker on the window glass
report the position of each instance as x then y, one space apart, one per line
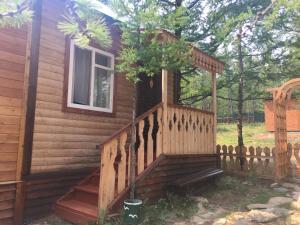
82 76
102 60
102 88
90 79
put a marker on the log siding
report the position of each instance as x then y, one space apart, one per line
63 140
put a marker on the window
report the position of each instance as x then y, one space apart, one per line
91 79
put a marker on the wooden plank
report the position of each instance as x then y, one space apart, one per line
141 149
150 147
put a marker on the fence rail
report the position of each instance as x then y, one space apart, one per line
258 161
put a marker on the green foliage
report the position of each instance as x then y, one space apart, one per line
143 51
12 16
171 207
83 22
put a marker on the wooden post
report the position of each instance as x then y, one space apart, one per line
214 108
164 98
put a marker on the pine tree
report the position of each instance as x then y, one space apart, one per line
82 21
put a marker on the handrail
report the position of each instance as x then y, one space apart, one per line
190 108
157 133
128 126
115 157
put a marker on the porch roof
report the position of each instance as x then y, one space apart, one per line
200 59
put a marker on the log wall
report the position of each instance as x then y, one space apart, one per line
43 190
62 140
13 45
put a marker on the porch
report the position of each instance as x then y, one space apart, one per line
172 142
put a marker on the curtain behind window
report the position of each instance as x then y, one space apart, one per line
82 76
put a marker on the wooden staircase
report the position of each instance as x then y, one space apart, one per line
80 204
165 135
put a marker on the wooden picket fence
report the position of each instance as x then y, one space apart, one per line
258 161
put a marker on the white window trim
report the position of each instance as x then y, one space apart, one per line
71 78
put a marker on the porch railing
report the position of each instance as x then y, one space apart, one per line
164 129
190 131
115 157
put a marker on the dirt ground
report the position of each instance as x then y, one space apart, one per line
229 201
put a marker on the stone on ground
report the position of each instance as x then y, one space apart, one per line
296 195
279 212
295 205
290 185
274 185
275 201
281 189
258 206
261 216
242 222
198 220
293 219
200 199
221 221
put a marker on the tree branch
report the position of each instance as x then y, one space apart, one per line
193 4
19 9
259 16
168 2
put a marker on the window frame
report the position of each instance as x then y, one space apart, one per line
70 73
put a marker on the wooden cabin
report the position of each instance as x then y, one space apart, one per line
65 126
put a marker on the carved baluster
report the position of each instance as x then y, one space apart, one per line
107 174
159 147
150 141
186 132
141 149
122 163
173 147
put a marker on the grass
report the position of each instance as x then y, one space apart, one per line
235 194
169 208
254 134
231 193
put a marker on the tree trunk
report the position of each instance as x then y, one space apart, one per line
240 99
177 74
132 149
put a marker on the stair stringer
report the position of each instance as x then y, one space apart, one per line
117 203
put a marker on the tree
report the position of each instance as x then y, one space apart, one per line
82 21
259 42
143 50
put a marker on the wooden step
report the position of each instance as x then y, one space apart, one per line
89 188
80 194
94 180
76 211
